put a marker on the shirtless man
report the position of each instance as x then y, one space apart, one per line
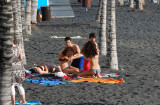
92 37
77 59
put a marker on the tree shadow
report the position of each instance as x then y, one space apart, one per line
142 11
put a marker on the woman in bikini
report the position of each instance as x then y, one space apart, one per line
64 57
91 53
45 69
86 65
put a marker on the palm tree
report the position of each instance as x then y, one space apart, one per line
20 19
34 11
102 33
18 27
121 2
23 31
140 5
15 19
22 12
6 34
20 37
131 4
24 23
28 17
112 37
99 11
23 17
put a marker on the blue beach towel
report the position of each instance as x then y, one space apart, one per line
35 102
47 81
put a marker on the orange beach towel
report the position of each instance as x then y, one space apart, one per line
98 80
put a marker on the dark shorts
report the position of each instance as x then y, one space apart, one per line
78 63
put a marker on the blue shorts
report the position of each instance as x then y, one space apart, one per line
95 71
78 63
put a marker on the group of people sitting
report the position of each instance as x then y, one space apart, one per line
84 62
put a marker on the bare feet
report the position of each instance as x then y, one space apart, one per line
98 75
13 103
23 102
93 76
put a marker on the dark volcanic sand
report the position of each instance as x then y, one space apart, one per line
138 54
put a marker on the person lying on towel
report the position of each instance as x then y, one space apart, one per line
64 58
45 69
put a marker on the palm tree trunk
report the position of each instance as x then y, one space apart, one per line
24 23
20 20
20 38
99 11
28 17
112 37
23 31
143 2
140 5
23 16
18 27
102 33
121 2
34 11
6 34
15 19
131 4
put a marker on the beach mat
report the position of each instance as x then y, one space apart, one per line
35 102
99 80
47 81
73 37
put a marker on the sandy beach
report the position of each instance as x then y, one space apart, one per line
138 35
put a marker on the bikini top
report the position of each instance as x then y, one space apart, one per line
40 68
63 60
94 58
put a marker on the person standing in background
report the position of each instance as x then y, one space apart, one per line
18 73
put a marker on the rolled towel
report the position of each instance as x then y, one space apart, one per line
60 74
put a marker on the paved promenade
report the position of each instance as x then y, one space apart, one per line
60 9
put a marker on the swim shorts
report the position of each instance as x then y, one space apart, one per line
78 63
